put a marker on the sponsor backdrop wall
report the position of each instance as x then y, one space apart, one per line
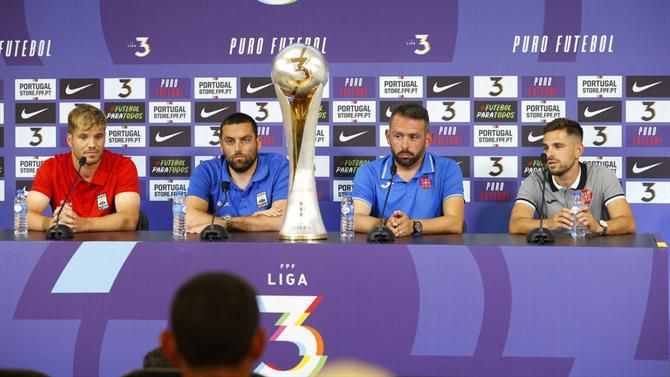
491 73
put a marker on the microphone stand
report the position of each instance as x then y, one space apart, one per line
215 232
540 235
59 231
381 233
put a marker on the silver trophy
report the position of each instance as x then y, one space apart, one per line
300 72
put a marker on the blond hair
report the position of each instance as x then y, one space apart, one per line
84 117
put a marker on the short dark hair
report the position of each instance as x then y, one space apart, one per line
214 318
238 118
412 110
570 126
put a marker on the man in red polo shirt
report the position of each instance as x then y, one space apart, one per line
106 195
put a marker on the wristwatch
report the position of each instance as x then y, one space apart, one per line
603 224
229 222
417 228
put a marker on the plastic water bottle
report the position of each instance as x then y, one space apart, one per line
20 213
178 215
347 217
578 229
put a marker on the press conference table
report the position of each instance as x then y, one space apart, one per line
471 305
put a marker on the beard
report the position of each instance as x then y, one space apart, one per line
407 162
561 169
241 166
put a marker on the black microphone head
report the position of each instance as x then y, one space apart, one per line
82 160
543 158
394 168
225 186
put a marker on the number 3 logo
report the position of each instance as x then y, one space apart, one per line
144 44
295 310
422 40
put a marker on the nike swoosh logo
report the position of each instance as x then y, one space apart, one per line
69 91
532 138
160 139
206 114
252 90
551 201
344 139
440 89
385 185
590 114
25 115
388 112
638 89
640 170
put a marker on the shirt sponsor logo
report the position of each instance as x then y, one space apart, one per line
35 137
648 86
647 111
125 112
257 87
322 137
169 88
271 136
34 89
169 136
455 136
496 167
613 163
26 166
599 86
354 111
386 109
448 86
400 86
346 166
170 112
495 136
647 136
140 164
501 111
464 163
79 89
125 88
495 191
541 111
35 113
213 112
647 167
529 165
64 109
599 111
262 112
542 86
602 136
354 136
496 86
340 187
354 87
125 136
170 166
164 190
532 136
215 88
648 192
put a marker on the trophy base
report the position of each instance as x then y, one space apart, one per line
303 237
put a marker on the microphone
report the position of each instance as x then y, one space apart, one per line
540 235
382 234
59 231
215 232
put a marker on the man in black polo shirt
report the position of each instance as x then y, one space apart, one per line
606 210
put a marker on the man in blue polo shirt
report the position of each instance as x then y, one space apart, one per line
245 190
427 191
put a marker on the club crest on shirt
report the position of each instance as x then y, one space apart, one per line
261 199
426 182
102 201
587 195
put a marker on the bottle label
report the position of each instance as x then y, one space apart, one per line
346 210
18 208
